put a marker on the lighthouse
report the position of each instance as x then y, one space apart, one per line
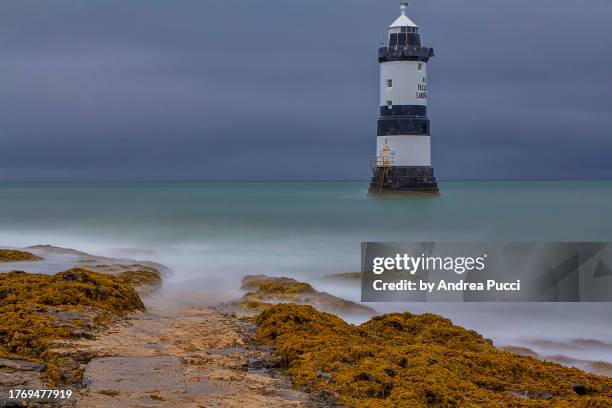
402 165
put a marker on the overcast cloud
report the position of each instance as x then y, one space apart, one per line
215 90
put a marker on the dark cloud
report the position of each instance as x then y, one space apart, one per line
284 89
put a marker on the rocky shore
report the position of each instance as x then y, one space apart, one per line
95 337
89 329
36 310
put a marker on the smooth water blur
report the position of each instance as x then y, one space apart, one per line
212 234
161 214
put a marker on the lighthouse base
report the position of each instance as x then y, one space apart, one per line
404 181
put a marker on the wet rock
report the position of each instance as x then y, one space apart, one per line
531 395
56 250
68 276
583 389
81 334
145 374
22 365
524 394
18 374
11 255
258 364
327 398
540 395
201 358
264 291
4 403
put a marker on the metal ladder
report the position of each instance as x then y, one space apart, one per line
381 166
379 179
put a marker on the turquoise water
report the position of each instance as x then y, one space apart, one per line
178 213
212 234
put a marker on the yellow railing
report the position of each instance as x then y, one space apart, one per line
378 162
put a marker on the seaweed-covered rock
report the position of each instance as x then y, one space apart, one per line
50 249
416 361
145 276
342 278
265 291
12 255
145 279
36 310
271 286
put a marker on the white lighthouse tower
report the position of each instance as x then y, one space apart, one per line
402 164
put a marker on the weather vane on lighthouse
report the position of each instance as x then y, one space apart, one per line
402 164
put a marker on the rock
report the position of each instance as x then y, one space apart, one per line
583 389
81 334
531 395
70 277
20 365
18 374
184 357
264 291
540 395
12 255
342 278
56 250
521 351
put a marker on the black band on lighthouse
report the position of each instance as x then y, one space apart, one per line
403 126
422 54
404 110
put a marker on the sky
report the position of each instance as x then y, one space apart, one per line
285 89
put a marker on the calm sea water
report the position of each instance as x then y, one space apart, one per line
212 234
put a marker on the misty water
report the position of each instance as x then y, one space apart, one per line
212 234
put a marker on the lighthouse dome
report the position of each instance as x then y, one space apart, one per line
403 20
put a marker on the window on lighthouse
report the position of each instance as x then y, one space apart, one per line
389 83
390 104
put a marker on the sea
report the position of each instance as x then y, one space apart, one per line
211 234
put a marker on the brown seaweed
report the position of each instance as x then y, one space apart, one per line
408 360
37 309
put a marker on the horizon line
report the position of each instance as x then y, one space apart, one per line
292 180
